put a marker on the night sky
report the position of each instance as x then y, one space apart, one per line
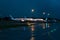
22 8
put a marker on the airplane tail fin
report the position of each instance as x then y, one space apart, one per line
11 17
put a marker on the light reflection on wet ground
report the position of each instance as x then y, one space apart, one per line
24 33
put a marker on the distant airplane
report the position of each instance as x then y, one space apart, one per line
44 22
26 19
50 20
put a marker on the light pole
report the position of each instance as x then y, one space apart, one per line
46 19
47 24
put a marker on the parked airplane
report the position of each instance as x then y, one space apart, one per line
26 19
33 20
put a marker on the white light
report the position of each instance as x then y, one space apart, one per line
44 13
32 10
48 14
22 20
41 19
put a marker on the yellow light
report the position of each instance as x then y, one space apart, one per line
28 23
32 38
32 28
